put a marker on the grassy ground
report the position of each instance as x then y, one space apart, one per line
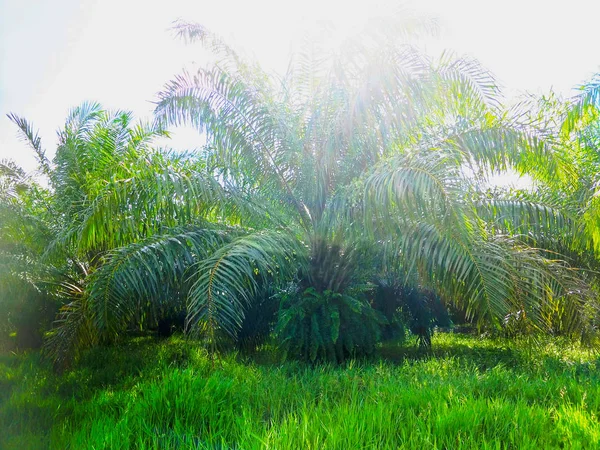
467 393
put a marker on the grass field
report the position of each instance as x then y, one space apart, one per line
465 393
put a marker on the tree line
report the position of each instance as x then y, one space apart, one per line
345 202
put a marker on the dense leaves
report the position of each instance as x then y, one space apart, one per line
327 326
366 163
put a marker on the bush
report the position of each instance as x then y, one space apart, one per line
417 309
326 326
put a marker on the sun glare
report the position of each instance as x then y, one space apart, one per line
54 58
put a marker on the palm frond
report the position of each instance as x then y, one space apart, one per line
413 188
537 219
138 274
585 106
468 82
72 333
228 280
33 139
192 32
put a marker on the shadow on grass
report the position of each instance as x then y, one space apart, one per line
482 357
123 365
486 353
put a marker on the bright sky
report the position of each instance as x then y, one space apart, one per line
54 54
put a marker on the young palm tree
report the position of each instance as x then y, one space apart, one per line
357 163
27 309
108 190
573 126
572 130
374 146
577 126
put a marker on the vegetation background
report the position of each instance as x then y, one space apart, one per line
282 285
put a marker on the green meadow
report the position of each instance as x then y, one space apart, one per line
465 393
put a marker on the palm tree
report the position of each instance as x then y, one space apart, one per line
102 157
573 128
354 165
577 126
372 147
27 310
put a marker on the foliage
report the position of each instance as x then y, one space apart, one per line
27 307
326 326
358 163
410 307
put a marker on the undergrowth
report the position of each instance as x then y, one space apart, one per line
149 394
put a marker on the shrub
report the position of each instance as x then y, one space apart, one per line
326 326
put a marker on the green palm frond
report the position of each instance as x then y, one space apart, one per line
492 277
33 139
13 181
585 106
238 123
72 333
407 187
138 274
535 217
227 280
469 83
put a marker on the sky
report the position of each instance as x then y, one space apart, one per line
55 54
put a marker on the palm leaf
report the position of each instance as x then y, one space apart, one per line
228 280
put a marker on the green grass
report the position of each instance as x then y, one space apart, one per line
466 393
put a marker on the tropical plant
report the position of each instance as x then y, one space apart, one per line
327 325
27 309
375 144
572 129
364 161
